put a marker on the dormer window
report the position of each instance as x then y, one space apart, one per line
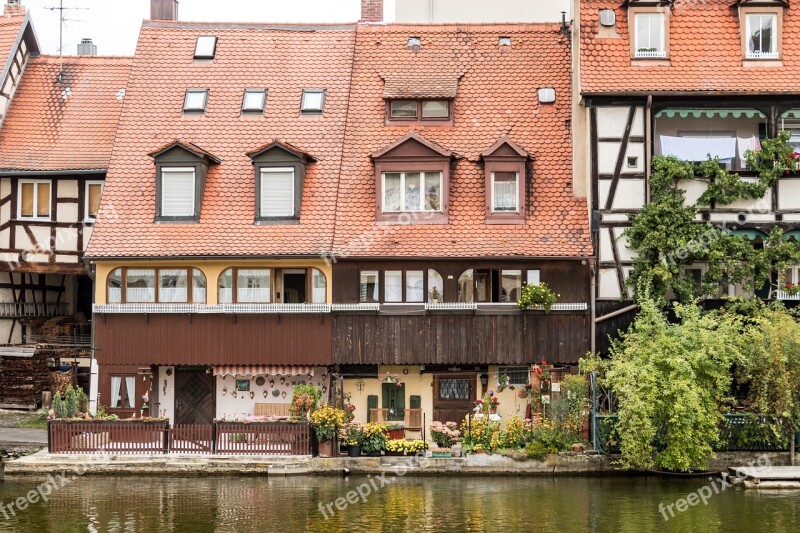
419 99
181 170
505 167
280 172
650 35
195 101
762 35
205 47
416 109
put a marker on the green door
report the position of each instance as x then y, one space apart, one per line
394 399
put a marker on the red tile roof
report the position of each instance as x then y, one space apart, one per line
9 30
705 53
496 95
284 60
68 124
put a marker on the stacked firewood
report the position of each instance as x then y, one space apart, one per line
59 381
22 379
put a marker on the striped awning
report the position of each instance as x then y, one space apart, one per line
263 370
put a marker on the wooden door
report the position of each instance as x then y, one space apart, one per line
453 396
194 397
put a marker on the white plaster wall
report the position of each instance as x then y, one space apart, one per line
615 217
634 150
603 186
625 253
760 205
242 405
67 212
788 193
607 283
630 194
166 392
694 189
611 121
87 234
607 154
67 189
67 239
606 252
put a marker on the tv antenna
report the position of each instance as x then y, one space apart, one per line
62 21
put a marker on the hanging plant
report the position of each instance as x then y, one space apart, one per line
537 295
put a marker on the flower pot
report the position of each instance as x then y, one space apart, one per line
326 448
395 454
354 451
441 454
397 433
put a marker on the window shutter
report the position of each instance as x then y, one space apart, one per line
277 193
177 193
372 403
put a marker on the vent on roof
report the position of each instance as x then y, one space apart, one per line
504 41
608 17
414 42
206 47
87 47
547 95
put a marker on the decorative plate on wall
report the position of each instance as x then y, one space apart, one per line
276 393
260 380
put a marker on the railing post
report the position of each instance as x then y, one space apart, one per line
213 437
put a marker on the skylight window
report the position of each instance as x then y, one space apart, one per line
414 42
504 41
313 100
206 47
195 100
254 100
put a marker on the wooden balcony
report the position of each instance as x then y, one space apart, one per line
32 310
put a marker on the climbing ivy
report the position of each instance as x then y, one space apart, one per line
668 232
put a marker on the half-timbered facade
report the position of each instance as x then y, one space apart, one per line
654 80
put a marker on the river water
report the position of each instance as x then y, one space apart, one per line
418 504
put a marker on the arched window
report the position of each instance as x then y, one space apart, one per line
245 285
114 295
319 286
435 287
465 287
156 285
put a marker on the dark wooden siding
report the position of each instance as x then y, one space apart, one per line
570 279
514 338
179 339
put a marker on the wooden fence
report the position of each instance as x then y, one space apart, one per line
132 437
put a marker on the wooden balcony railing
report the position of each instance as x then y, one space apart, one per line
32 310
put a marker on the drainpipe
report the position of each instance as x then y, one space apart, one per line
648 134
592 301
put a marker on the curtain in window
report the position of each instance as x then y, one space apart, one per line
433 191
253 285
26 199
116 383
172 285
93 202
130 386
141 285
226 287
414 286
115 287
393 286
761 32
391 192
43 199
318 287
412 192
198 286
368 290
505 191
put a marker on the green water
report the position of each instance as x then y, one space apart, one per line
223 504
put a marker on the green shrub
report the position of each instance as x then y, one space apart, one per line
59 408
538 450
71 403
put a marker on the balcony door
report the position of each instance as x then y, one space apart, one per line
294 286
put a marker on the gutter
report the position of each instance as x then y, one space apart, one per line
91 171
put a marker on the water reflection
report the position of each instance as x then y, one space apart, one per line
441 504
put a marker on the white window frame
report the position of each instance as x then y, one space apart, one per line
305 108
516 193
661 51
168 170
86 216
260 109
201 109
422 178
773 52
202 51
35 183
276 170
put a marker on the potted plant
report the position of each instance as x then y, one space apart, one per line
375 438
442 452
435 295
494 401
396 430
352 435
304 400
391 377
445 434
405 447
327 421
542 373
537 295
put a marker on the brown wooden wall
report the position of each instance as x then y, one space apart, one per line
143 383
570 279
181 339
516 338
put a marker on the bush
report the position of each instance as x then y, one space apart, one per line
517 432
445 435
538 450
374 438
59 408
482 435
71 403
304 400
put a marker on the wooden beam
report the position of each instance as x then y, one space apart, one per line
623 149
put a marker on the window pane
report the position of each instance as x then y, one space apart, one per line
277 193
649 32
93 193
511 285
483 286
195 101
205 47
433 191
368 286
198 286
252 285
403 108
312 101
226 287
26 201
116 386
465 286
141 285
412 194
435 109
415 292
435 286
533 277
454 389
43 199
173 285
393 286
115 286
762 33
177 193
253 100
391 192
318 287
504 191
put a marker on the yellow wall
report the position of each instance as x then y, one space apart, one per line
416 384
211 268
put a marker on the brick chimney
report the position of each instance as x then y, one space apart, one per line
163 9
371 11
14 8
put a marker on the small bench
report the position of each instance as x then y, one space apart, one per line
271 409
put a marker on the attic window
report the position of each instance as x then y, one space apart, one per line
254 100
762 36
206 47
414 42
313 100
414 109
504 41
195 100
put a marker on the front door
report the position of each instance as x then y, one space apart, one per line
453 396
294 286
194 397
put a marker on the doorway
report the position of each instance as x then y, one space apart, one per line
453 396
294 286
194 397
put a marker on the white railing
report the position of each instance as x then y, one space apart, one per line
356 307
651 54
451 306
783 295
178 308
576 306
756 54
30 309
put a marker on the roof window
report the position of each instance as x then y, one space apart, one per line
254 100
313 100
206 47
195 100
504 41
414 42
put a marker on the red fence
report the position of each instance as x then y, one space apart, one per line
123 436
